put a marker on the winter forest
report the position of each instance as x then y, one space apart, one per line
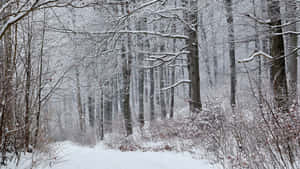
214 80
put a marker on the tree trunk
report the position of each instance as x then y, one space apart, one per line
91 109
291 45
231 38
193 58
79 104
163 107
204 50
7 113
141 74
173 73
151 95
278 74
101 116
259 59
40 82
108 107
28 89
126 70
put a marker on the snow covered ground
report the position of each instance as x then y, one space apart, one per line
73 156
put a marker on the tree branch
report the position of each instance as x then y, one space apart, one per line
176 84
255 54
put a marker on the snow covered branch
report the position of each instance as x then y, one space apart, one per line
30 6
255 54
141 7
16 18
165 58
163 35
177 84
286 33
258 20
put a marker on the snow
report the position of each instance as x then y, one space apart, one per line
255 54
78 157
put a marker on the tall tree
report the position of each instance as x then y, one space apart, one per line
291 45
108 113
79 102
126 73
277 72
173 70
193 56
7 115
162 78
231 43
141 74
204 49
259 59
28 70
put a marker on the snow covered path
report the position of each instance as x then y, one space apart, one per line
76 157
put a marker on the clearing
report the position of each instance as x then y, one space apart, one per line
73 156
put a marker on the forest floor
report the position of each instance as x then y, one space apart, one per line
72 156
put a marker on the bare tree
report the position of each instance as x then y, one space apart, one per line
140 25
231 42
291 45
193 56
278 73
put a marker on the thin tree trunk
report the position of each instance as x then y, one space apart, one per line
204 50
116 94
28 88
101 116
141 73
91 109
162 79
259 59
126 70
231 38
291 42
108 107
215 56
79 104
173 73
40 83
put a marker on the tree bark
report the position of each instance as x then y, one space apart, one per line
193 58
79 103
277 72
291 45
126 72
91 109
141 73
231 38
28 88
108 107
40 82
204 51
7 113
101 116
163 107
173 73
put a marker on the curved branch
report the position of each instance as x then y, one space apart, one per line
255 54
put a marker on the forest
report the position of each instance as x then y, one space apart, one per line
217 79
